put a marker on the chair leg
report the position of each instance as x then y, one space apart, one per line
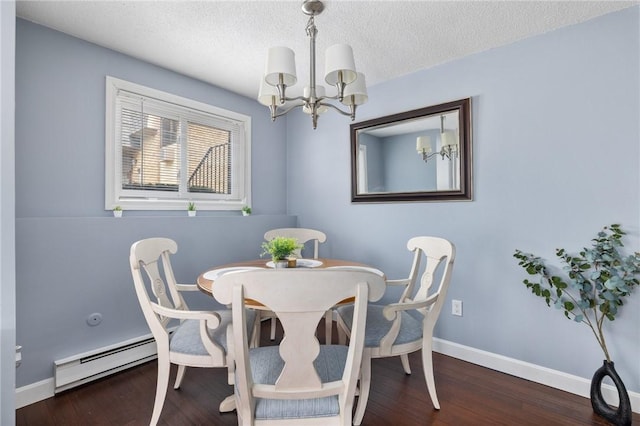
228 404
161 387
427 364
273 329
404 358
365 386
181 370
255 334
342 334
328 325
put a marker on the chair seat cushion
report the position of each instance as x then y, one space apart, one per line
186 338
266 366
378 326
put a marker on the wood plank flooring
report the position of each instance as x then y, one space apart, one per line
468 394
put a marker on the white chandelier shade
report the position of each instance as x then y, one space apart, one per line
356 92
340 67
320 93
448 138
268 94
423 145
281 63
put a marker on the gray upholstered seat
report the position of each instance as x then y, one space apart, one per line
266 366
378 326
186 338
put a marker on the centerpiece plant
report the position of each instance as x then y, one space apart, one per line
591 291
279 248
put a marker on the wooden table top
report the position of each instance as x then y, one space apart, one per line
206 285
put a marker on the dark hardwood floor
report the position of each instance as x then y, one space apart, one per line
468 394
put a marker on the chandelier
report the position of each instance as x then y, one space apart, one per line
448 144
340 71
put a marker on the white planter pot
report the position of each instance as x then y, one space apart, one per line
117 213
191 213
280 264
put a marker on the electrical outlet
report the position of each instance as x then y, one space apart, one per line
456 307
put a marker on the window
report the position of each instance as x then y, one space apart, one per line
163 151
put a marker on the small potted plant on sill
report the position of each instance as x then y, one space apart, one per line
117 211
246 211
280 249
596 282
191 209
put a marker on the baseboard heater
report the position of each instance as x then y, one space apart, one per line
83 368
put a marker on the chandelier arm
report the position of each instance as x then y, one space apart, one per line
321 98
297 98
335 107
280 114
428 156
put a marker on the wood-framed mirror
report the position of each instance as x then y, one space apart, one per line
419 155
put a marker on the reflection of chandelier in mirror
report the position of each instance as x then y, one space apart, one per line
340 69
448 144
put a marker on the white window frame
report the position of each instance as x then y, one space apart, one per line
240 146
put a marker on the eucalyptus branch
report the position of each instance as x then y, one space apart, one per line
595 284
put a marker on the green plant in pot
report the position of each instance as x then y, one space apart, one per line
191 208
280 248
591 291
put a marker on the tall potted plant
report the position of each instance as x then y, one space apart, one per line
592 290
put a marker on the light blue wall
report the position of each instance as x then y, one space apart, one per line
556 155
71 254
7 215
410 172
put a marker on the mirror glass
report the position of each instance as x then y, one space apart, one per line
419 155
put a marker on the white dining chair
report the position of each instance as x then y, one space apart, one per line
299 381
303 236
398 329
183 337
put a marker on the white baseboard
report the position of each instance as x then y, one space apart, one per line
29 394
535 373
44 389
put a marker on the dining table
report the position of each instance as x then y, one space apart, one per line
206 280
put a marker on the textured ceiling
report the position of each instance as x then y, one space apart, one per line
225 42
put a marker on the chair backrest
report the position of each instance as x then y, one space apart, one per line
299 298
301 234
146 255
440 254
